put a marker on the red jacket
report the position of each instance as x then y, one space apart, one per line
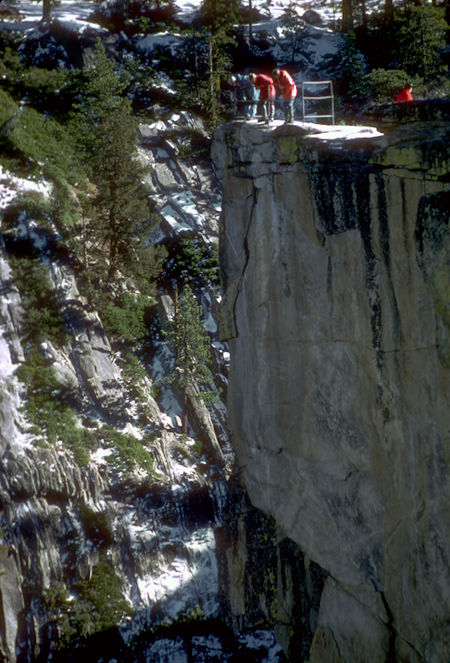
265 85
404 95
287 85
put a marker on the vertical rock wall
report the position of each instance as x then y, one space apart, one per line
335 264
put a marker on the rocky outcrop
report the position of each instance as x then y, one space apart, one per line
334 255
106 553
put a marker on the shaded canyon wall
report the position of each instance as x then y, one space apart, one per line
334 255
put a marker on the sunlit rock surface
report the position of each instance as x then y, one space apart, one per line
334 255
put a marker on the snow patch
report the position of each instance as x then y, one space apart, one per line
11 186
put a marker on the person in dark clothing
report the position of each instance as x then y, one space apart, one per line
266 88
405 94
245 93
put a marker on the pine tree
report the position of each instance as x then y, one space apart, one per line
119 202
221 14
219 17
118 209
422 39
190 345
353 81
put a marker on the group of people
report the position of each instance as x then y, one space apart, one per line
256 93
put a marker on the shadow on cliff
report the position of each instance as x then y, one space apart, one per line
187 640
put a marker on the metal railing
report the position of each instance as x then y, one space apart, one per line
308 97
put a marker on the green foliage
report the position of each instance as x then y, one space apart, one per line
43 319
8 108
385 84
411 41
57 603
36 145
125 321
100 101
51 418
219 67
294 28
101 605
353 82
106 132
96 525
219 14
422 40
98 605
34 203
190 344
127 451
133 372
207 59
192 261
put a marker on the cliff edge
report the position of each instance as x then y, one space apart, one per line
334 253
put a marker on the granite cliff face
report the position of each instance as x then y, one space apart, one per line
334 255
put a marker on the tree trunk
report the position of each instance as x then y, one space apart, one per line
185 412
347 15
113 259
364 13
46 11
388 9
211 82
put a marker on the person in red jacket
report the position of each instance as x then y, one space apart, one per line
266 89
405 94
284 81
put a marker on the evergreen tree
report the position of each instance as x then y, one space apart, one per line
118 210
221 14
422 40
353 81
119 203
295 28
100 100
190 345
219 18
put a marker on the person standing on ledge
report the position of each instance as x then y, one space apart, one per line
405 94
284 81
245 94
266 87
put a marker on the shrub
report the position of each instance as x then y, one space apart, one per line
96 525
385 84
8 108
47 145
190 260
127 451
33 144
125 321
51 418
43 318
99 605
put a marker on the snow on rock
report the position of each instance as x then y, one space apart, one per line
11 186
187 198
158 40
